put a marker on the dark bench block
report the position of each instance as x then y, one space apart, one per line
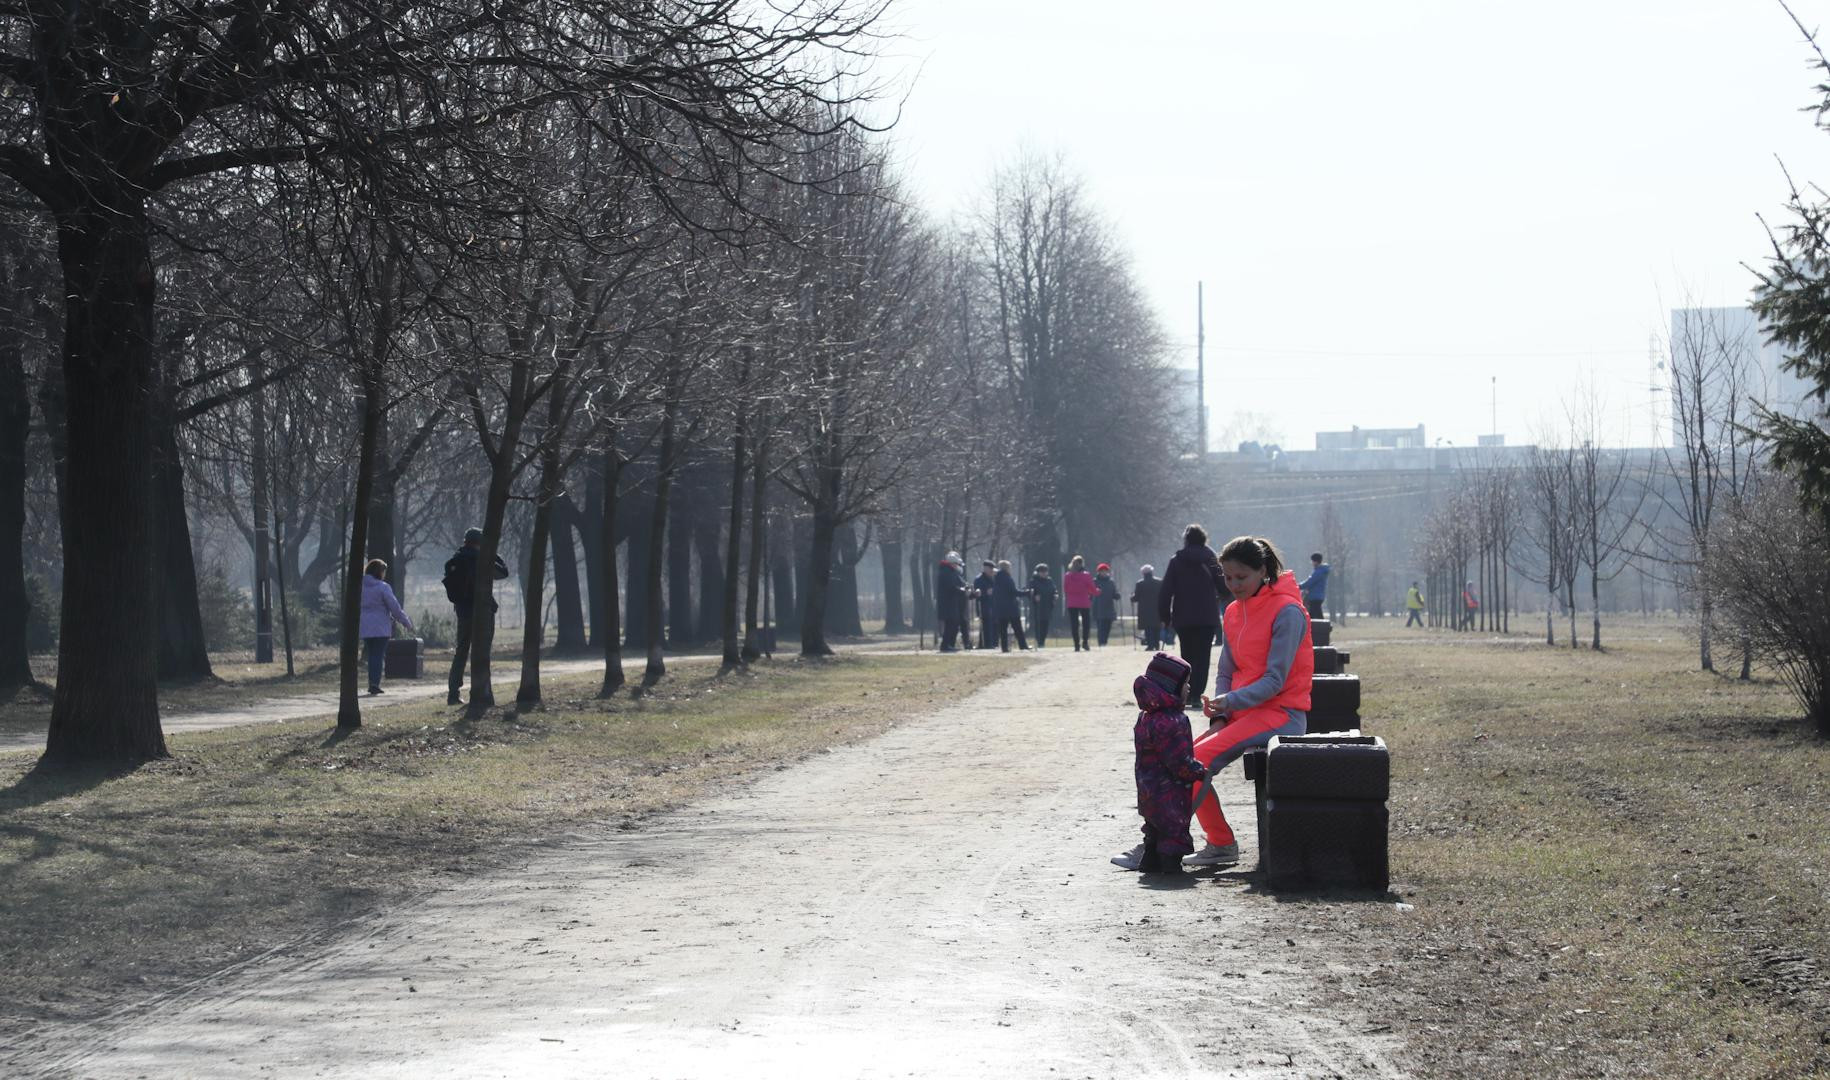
406 659
1334 703
1320 631
1327 660
1325 843
1328 767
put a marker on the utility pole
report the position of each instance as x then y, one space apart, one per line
1201 370
1493 420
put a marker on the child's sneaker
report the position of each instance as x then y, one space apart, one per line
1130 860
1214 855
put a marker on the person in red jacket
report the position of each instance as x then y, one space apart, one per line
1077 589
1262 679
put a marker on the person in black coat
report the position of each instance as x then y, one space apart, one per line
950 604
460 581
1006 612
1189 600
1042 593
981 590
1143 598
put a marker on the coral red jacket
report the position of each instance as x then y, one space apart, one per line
1078 587
1248 641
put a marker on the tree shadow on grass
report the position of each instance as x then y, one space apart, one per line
50 780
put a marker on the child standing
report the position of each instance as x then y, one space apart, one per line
1166 768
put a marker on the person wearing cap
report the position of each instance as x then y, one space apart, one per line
981 591
1042 593
1143 600
1006 612
950 603
460 589
1315 587
1105 602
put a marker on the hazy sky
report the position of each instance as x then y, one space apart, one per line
1392 203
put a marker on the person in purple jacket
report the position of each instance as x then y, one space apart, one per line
1166 768
380 611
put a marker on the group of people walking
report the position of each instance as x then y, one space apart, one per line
1091 598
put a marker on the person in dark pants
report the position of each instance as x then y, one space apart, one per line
1105 602
981 591
1042 593
949 604
1143 601
1190 602
1006 612
381 611
460 587
1315 586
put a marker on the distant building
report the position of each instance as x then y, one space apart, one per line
1738 330
1371 439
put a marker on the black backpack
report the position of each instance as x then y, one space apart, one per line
456 582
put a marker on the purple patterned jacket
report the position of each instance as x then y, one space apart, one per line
1166 767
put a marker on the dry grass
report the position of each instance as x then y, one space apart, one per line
120 886
1619 864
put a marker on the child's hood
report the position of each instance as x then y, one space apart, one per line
1153 698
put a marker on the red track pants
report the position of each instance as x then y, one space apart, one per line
1253 727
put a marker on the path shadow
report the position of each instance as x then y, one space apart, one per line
1251 880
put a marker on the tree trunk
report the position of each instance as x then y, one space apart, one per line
611 635
918 588
495 514
106 705
1705 614
1595 606
708 557
842 611
590 522
533 626
262 511
681 627
349 707
781 560
641 533
891 552
184 655
15 421
759 479
384 514
733 549
819 573
657 536
569 607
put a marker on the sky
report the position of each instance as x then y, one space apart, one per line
1402 211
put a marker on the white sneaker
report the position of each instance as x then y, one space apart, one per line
1214 855
1130 860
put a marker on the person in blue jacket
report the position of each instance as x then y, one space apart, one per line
1315 586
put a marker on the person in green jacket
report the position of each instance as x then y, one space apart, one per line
1413 603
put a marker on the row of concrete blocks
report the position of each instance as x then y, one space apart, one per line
1321 797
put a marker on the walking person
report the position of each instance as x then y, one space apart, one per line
949 604
1006 612
1105 602
981 592
1315 586
1413 605
1262 681
381 612
1190 602
1470 606
1143 601
1077 589
1042 596
460 589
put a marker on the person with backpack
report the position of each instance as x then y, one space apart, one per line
460 588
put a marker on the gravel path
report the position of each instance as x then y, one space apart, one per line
933 902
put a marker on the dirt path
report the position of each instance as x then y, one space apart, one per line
934 902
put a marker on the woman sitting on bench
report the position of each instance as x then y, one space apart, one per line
1261 683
